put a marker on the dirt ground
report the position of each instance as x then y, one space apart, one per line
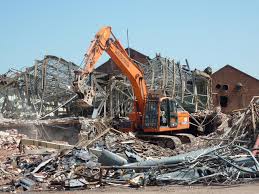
251 188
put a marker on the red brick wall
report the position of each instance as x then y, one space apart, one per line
236 99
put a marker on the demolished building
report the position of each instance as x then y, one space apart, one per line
45 89
38 90
72 141
102 155
191 88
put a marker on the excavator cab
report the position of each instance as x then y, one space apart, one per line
161 115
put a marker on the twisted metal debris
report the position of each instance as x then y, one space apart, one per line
113 157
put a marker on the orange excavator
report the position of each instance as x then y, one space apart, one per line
154 116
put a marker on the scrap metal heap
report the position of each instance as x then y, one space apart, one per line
227 156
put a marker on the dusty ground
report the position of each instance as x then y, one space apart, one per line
251 188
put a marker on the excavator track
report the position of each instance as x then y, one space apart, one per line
168 141
185 137
162 140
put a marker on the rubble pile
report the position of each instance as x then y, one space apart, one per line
9 145
123 142
9 141
222 157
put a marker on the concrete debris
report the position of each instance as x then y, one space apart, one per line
9 142
59 129
222 157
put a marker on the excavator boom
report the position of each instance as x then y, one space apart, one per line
96 49
106 41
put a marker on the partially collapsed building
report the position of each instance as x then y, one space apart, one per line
39 102
38 90
191 88
45 89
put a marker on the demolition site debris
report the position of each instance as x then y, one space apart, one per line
66 128
113 157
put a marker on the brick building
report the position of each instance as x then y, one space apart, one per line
233 89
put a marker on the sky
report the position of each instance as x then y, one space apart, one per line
206 32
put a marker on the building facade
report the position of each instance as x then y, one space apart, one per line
233 89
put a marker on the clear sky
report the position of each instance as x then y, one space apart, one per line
207 33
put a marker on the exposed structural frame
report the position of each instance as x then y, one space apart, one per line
192 89
38 90
114 95
43 89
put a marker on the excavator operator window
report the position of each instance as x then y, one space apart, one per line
168 113
164 113
151 114
173 106
173 118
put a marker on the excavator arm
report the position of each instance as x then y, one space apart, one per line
152 113
106 41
